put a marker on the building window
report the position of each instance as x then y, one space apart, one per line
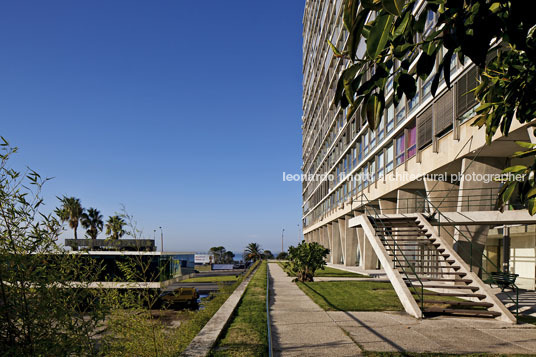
380 165
358 179
390 118
389 154
354 156
372 139
426 88
372 170
359 151
365 176
400 111
412 141
413 102
381 129
400 150
365 142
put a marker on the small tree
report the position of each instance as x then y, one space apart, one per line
268 254
253 252
218 253
92 222
282 256
115 227
70 211
46 307
306 259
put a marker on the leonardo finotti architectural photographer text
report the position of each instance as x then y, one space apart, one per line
406 176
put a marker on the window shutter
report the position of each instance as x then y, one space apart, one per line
465 97
424 128
443 112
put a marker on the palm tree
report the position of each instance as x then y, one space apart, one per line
70 211
114 227
253 252
92 222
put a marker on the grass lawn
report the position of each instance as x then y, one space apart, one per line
246 335
353 295
337 273
329 272
210 279
206 267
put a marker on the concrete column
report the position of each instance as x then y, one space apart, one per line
443 196
335 243
475 195
350 244
368 258
328 235
342 236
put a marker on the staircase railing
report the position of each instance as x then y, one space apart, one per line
435 212
366 204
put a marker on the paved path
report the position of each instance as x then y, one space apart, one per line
397 331
299 326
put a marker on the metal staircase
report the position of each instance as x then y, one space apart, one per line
429 277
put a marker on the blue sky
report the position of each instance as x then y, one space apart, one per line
186 112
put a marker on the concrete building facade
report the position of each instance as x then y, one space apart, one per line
424 157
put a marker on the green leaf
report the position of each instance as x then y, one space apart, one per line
425 65
379 35
374 109
393 7
515 168
334 49
508 191
356 32
532 192
446 67
350 9
526 144
374 5
531 205
407 83
521 154
400 29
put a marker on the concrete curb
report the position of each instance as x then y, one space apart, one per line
206 338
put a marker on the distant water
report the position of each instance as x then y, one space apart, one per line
238 257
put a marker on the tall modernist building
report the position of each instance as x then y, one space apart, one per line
424 160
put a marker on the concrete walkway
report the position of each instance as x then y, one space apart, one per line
299 326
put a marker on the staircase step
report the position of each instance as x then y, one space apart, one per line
449 287
467 281
457 303
401 228
462 312
469 295
396 234
455 267
440 273
416 239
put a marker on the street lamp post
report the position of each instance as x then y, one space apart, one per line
299 235
161 240
282 249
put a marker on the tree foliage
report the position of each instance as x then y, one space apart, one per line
70 211
395 35
41 312
306 259
115 227
92 222
253 252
